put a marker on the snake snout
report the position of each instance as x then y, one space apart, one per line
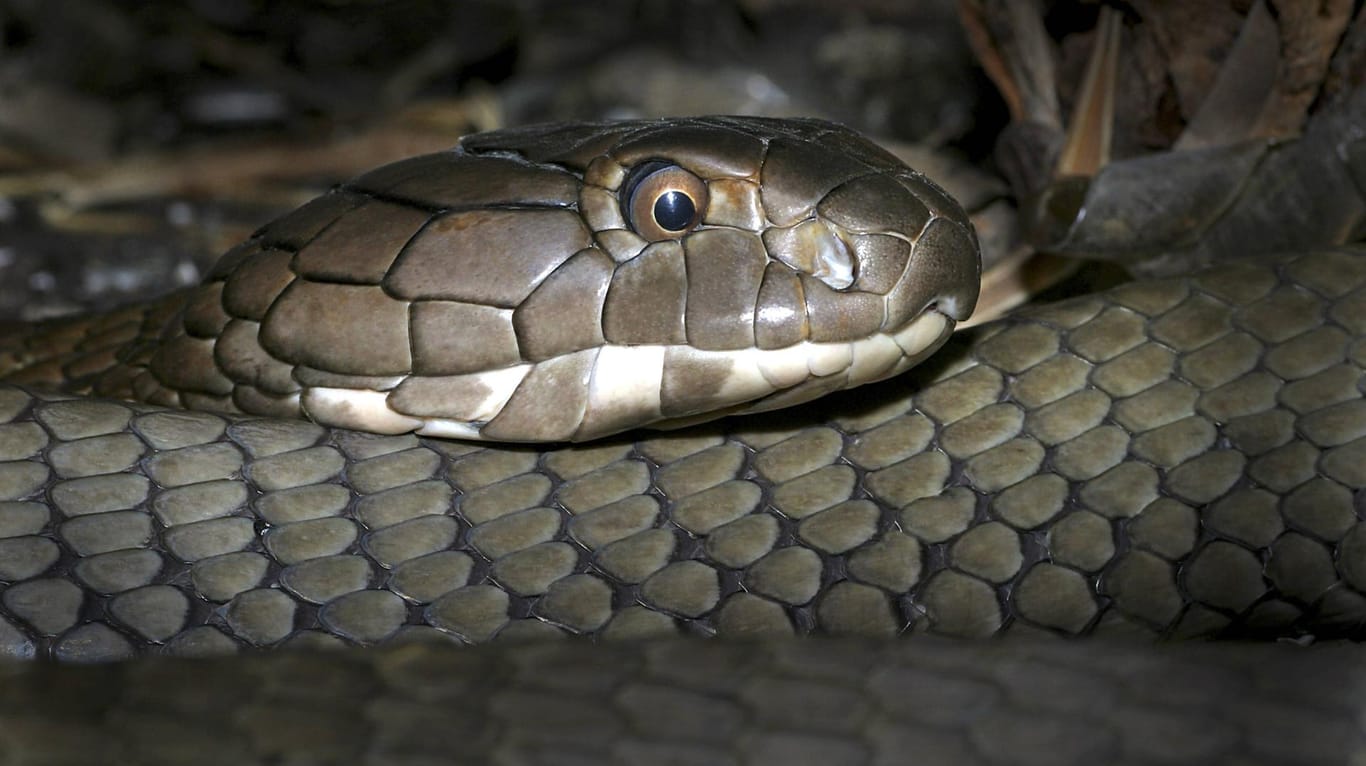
944 274
908 241
944 271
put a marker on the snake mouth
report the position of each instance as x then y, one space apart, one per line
668 386
950 308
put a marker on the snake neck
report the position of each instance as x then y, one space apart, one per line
107 354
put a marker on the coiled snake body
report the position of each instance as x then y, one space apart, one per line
1171 458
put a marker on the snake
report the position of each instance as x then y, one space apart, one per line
289 456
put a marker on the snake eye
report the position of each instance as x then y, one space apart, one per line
664 201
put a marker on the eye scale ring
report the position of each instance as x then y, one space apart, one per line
663 201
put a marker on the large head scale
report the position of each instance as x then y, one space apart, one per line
570 281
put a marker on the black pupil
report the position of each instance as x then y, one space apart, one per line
674 211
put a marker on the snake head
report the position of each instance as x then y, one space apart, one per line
566 282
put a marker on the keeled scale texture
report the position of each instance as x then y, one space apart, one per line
1180 458
822 703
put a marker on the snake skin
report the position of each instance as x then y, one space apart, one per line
822 703
1169 459
1172 458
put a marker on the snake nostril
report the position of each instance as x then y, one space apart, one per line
813 247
